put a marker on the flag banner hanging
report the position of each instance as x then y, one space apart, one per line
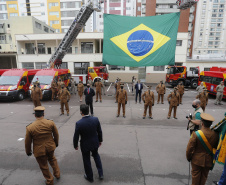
140 41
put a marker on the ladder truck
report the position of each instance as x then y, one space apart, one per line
75 28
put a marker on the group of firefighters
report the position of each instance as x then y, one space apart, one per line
60 92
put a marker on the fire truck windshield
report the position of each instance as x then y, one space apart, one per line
170 70
9 80
44 80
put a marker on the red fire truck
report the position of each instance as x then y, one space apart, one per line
211 79
177 74
45 78
2 71
14 83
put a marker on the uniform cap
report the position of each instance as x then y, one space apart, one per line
39 108
149 86
121 85
207 117
176 88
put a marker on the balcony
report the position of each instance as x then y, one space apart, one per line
165 1
166 10
2 30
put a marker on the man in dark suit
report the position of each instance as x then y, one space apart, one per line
138 88
89 93
90 132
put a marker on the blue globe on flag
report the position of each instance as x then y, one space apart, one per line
140 42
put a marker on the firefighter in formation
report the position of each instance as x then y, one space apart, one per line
149 101
36 94
64 99
54 89
80 89
121 98
161 90
174 100
203 97
98 86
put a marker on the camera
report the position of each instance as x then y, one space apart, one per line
190 116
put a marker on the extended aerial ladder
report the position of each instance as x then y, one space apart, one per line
185 4
75 28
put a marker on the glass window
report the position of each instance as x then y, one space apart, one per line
86 47
216 80
46 29
66 22
91 70
13 6
9 80
40 65
214 15
133 68
159 68
3 7
206 68
38 25
179 43
69 13
53 22
41 48
28 65
54 13
76 49
69 50
13 14
81 67
30 49
118 68
53 4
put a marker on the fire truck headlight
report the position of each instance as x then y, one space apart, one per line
13 87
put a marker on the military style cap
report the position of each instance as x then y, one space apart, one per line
149 86
176 88
39 108
207 117
121 85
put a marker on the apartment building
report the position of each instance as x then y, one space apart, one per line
58 14
86 50
210 31
17 25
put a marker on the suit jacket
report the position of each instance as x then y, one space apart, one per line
44 135
89 130
197 153
141 87
89 97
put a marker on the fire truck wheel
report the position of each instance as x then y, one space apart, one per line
194 84
20 96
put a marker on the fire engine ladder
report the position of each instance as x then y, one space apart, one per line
72 33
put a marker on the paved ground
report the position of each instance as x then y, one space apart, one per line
134 151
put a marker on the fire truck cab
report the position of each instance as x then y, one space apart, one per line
14 83
180 74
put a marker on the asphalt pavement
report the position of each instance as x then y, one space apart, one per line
135 151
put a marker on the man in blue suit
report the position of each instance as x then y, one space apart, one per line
89 93
90 132
138 88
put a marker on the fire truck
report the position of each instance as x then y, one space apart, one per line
180 74
211 79
70 36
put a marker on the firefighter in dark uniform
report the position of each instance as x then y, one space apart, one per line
174 100
121 98
36 94
44 135
149 100
64 99
201 160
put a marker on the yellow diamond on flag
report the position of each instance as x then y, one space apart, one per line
140 42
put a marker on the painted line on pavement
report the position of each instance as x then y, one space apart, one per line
20 139
109 87
128 87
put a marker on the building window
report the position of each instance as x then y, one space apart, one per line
13 6
69 13
38 25
57 30
54 13
66 22
206 68
118 68
42 4
200 43
13 14
86 47
29 48
49 50
179 43
28 65
81 67
41 48
159 68
69 50
76 49
40 65
46 29
133 68
51 31
3 7
138 8
53 4
171 6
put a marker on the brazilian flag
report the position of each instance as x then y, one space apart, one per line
140 41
